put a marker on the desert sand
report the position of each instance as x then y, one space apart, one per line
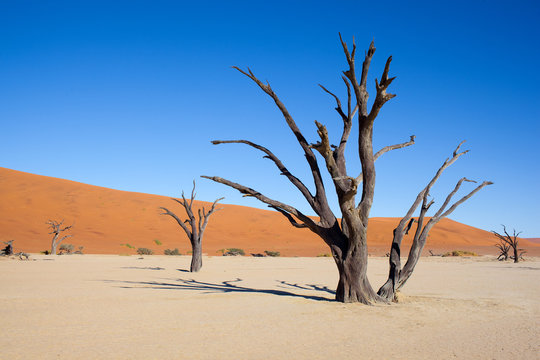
124 307
104 219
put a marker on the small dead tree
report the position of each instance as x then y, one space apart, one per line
347 238
56 230
194 228
509 242
8 250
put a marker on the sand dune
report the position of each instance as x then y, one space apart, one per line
104 219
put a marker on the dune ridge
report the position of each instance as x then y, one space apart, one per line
104 219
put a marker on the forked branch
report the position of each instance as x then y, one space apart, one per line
397 277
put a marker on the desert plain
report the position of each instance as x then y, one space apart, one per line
111 303
127 307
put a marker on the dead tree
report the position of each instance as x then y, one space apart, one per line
507 242
8 250
194 228
56 229
347 239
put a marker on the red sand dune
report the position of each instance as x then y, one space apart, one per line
104 219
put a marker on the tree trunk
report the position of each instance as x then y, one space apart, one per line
353 285
54 245
516 255
388 290
196 257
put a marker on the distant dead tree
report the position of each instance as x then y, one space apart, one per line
8 250
56 230
195 228
507 242
347 238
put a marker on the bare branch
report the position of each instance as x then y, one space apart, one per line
284 171
180 222
394 147
310 156
463 199
273 203
384 150
206 216
290 218
382 96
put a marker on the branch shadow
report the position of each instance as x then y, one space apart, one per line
143 267
230 286
313 287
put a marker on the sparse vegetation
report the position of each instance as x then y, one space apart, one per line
145 251
272 253
171 252
323 255
129 246
159 243
459 253
66 249
233 252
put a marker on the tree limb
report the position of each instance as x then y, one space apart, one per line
180 222
273 203
284 171
386 149
310 156
290 218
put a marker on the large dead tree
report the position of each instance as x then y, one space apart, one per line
509 242
194 228
347 238
56 230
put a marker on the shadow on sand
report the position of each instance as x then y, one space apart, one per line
230 286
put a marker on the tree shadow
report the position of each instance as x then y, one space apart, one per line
143 267
313 287
230 286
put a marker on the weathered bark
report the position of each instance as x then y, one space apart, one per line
347 239
507 242
196 258
353 284
195 227
57 228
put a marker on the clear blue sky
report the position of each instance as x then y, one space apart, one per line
128 95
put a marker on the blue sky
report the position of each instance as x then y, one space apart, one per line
128 95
